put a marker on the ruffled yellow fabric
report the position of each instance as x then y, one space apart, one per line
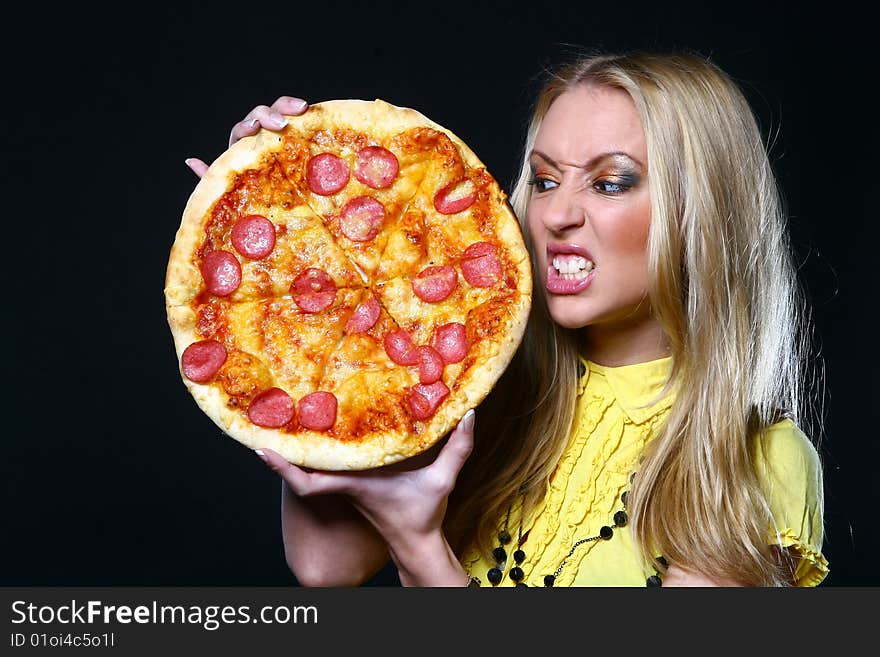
790 473
619 410
812 566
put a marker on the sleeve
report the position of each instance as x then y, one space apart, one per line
790 474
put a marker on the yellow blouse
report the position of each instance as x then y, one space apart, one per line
617 414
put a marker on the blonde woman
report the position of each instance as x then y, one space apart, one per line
649 430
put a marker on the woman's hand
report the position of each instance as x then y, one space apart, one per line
262 116
405 502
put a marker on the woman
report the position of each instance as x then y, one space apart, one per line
662 374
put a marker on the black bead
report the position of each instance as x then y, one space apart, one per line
499 554
581 369
620 519
606 532
517 574
548 580
623 497
662 561
654 580
522 584
494 575
519 556
504 537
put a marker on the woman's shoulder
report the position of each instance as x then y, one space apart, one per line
790 473
785 446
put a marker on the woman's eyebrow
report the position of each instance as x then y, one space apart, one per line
592 162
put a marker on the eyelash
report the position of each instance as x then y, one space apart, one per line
537 181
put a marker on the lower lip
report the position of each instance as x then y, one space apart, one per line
556 284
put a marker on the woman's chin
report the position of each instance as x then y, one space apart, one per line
570 318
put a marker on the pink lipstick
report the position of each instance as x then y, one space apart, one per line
570 268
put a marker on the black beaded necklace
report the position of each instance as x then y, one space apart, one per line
496 574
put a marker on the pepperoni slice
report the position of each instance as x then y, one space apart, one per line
423 400
327 174
430 364
419 406
253 236
362 217
455 197
201 360
271 408
400 349
450 341
435 283
480 265
221 272
376 167
364 317
479 249
317 410
313 290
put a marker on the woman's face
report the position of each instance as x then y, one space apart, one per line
589 210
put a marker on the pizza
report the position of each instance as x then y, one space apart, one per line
343 291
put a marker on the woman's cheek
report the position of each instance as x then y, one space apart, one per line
540 250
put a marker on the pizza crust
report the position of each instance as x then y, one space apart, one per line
183 281
313 449
366 116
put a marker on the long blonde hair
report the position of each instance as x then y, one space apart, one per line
723 288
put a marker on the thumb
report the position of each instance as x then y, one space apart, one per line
458 447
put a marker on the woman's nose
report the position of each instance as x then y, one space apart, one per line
561 212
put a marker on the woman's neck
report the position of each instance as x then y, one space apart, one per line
624 343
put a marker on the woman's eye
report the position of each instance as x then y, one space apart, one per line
541 184
611 187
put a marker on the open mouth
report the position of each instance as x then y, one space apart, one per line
571 267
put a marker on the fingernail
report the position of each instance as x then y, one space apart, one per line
252 123
259 453
299 105
467 422
188 162
279 120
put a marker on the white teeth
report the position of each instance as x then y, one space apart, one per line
575 265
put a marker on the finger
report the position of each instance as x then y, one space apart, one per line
261 116
244 128
303 482
198 167
290 105
269 118
457 448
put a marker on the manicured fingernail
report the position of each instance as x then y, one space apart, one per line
299 105
252 123
467 422
279 120
188 162
261 455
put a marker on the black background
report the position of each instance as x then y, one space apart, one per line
112 475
